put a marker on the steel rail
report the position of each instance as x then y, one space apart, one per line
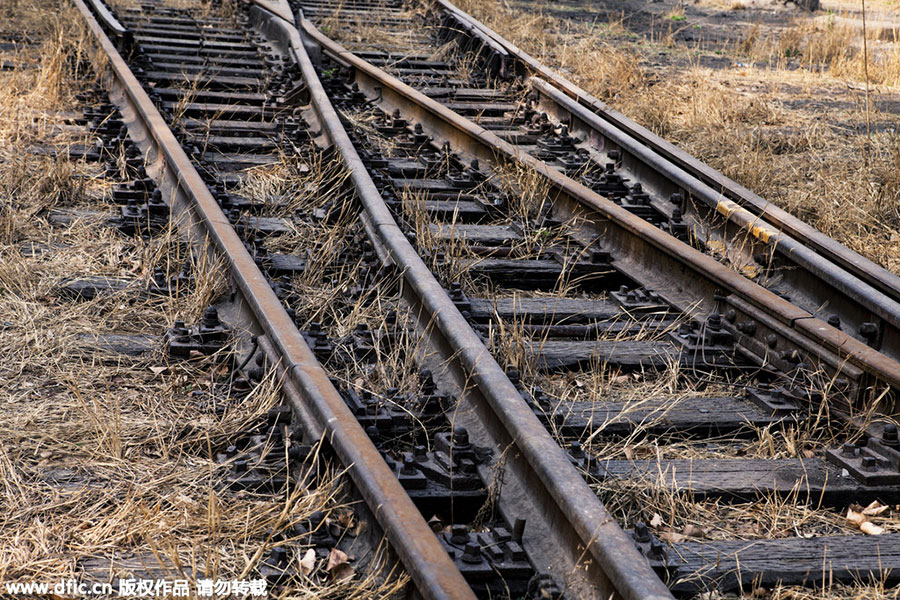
433 573
871 274
829 284
573 505
821 282
578 517
704 275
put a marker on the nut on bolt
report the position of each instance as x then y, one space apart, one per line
459 534
472 553
641 533
889 436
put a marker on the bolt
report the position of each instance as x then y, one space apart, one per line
868 330
641 533
869 463
676 198
714 321
731 315
834 321
278 555
316 519
459 534
771 340
472 553
747 327
211 317
657 550
889 436
575 449
513 374
409 465
848 450
460 436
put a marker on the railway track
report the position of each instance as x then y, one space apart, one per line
453 259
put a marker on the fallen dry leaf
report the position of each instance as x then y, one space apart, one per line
335 558
672 537
861 521
857 518
343 572
308 562
158 370
629 452
870 528
874 509
655 520
339 566
693 531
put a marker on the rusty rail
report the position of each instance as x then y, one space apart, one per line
322 408
860 279
705 280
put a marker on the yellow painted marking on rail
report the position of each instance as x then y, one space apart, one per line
727 208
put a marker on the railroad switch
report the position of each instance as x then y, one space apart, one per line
313 532
415 140
390 126
318 341
258 462
637 202
574 162
369 410
554 144
163 285
207 337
